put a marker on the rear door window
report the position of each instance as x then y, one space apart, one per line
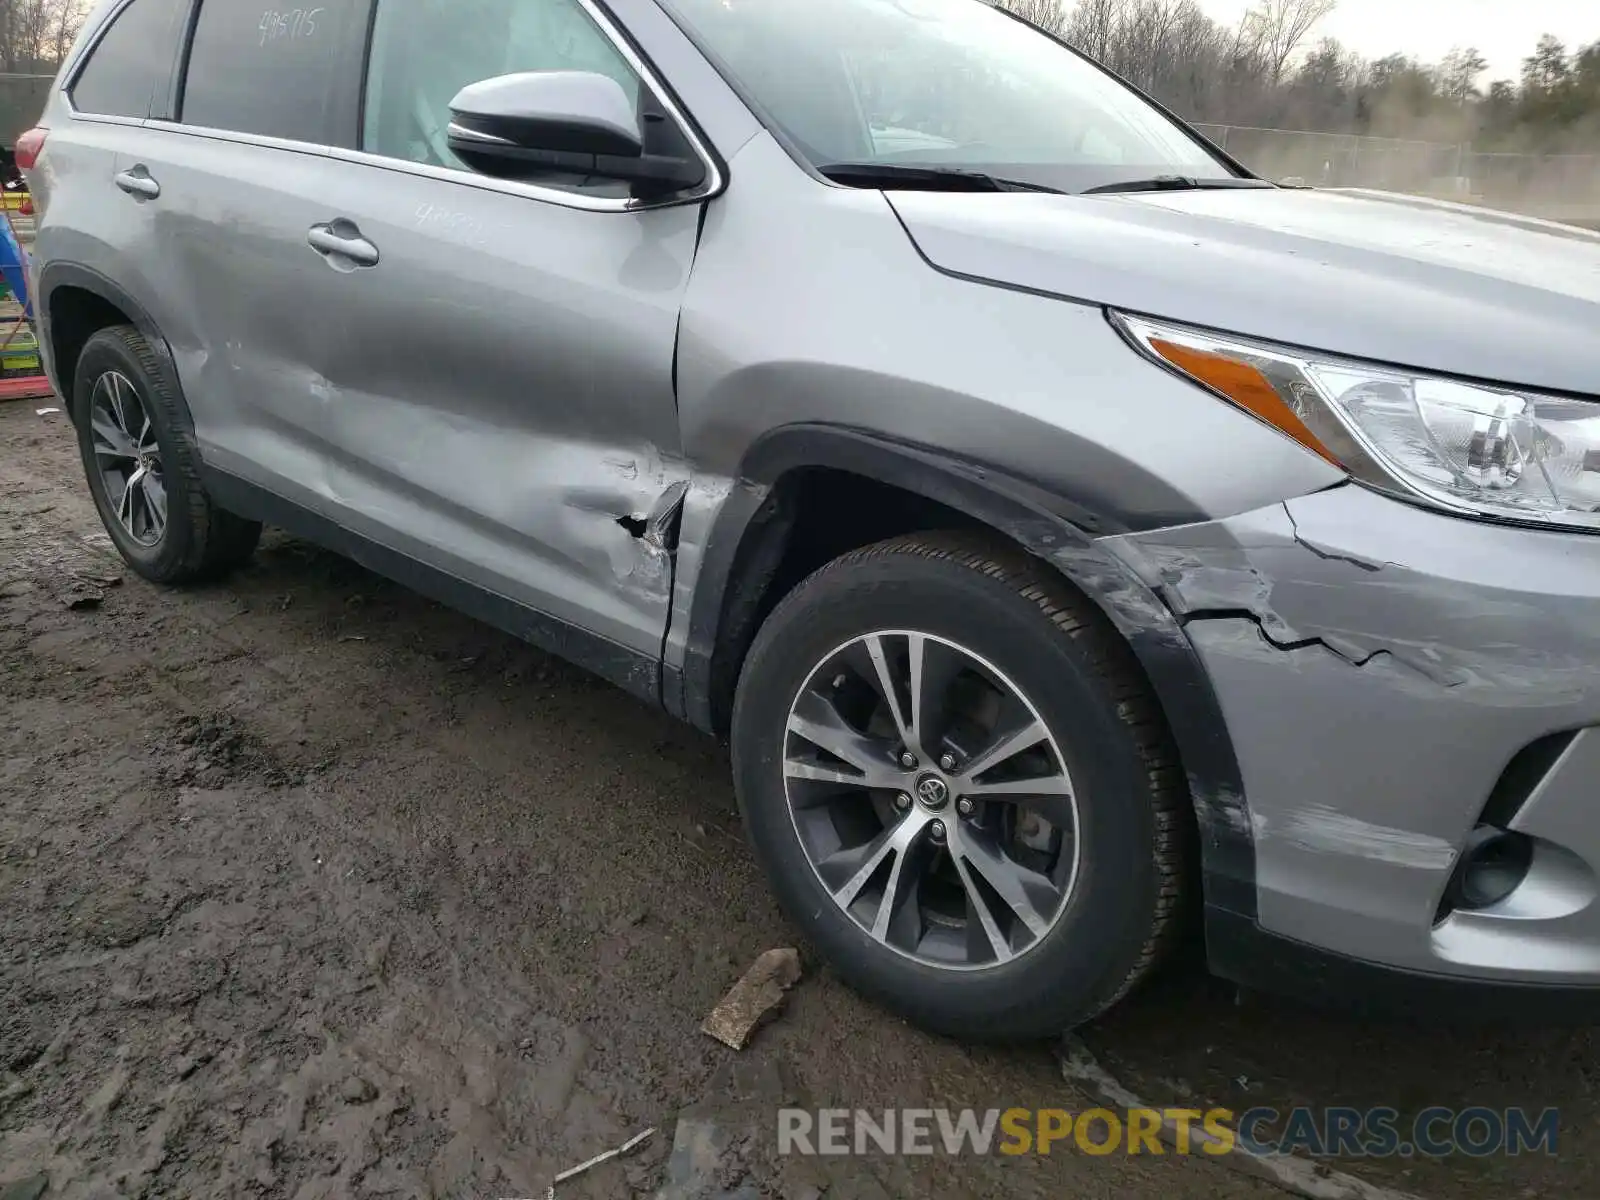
290 73
131 61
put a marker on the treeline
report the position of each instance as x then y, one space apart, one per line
1273 71
35 35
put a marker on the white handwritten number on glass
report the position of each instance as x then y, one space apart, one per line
287 25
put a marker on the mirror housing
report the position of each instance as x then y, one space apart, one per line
572 112
538 123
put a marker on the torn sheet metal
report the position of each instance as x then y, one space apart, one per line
1314 571
714 506
1202 572
1378 665
546 521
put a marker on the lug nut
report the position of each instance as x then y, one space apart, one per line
908 759
936 830
947 763
965 807
902 801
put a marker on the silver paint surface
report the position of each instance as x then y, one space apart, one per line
1442 287
544 400
808 304
1379 665
490 399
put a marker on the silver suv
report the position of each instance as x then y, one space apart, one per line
1067 529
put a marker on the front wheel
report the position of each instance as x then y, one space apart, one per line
961 787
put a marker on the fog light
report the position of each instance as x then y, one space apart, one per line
1492 866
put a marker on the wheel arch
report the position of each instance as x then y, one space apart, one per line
741 575
75 302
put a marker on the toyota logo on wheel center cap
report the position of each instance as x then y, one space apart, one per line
933 792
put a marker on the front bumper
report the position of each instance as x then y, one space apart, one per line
1379 667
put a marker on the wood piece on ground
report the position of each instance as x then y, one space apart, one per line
753 997
1299 1176
626 1146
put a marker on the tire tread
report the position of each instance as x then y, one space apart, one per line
218 541
1075 616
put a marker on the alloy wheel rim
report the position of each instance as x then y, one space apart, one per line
128 457
931 800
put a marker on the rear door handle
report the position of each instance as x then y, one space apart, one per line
136 181
341 242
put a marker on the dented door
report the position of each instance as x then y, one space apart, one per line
500 395
227 277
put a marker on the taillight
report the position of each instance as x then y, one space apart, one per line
28 147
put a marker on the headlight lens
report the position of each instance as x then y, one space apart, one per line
1500 452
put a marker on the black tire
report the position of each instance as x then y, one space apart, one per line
1122 913
200 540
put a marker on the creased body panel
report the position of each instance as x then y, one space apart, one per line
231 288
1379 666
809 305
491 398
507 393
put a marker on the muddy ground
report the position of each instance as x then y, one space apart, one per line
310 887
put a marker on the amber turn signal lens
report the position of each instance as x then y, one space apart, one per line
1245 386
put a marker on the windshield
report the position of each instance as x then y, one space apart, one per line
940 84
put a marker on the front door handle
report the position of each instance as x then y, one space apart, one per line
136 181
341 242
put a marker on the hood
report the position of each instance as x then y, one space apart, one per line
1417 283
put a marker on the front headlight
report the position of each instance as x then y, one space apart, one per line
1499 452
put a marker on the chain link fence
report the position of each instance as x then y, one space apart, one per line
1546 184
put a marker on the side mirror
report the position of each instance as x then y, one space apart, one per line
560 122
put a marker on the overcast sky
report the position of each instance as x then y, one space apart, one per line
1504 31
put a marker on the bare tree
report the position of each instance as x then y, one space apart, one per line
69 19
1258 75
1048 15
1095 25
1547 68
1146 44
1277 28
1458 74
1194 67
35 35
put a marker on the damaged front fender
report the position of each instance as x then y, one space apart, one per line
1378 666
